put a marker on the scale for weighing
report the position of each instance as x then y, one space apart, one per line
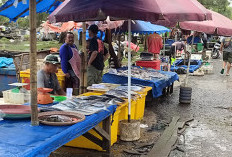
43 96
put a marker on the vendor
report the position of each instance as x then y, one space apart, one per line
154 44
46 78
71 63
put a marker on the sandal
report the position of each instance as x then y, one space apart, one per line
222 71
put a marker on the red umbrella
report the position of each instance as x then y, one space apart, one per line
146 10
219 25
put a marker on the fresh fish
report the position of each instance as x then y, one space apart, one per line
133 88
58 118
120 93
49 109
115 98
144 73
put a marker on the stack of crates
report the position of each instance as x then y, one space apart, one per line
83 142
121 113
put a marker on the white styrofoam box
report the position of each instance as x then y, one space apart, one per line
18 98
15 98
27 98
208 69
6 96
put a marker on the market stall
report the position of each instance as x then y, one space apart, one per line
99 129
194 65
24 140
158 80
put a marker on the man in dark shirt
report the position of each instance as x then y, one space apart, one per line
97 56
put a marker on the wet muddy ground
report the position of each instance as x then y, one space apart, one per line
209 135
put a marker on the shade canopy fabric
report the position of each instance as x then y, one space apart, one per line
146 10
64 27
143 28
219 25
21 10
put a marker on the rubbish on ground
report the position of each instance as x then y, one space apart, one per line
143 126
167 141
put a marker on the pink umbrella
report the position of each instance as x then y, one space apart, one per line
146 10
220 25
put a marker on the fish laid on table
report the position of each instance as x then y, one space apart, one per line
87 104
133 88
143 73
58 118
120 93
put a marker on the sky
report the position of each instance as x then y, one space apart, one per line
230 2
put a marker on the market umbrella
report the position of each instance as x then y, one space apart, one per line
14 10
219 25
147 10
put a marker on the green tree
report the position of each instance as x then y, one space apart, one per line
220 6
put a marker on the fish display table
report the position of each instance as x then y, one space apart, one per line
19 138
159 85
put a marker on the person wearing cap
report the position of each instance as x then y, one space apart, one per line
46 78
97 55
71 63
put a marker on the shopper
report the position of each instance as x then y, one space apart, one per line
96 57
154 44
226 47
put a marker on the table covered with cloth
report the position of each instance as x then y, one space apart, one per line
19 138
157 84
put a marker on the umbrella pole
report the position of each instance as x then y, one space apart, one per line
129 70
119 49
84 65
33 63
189 61
164 47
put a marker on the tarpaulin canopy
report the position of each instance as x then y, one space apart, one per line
64 27
70 25
22 10
147 10
219 25
143 27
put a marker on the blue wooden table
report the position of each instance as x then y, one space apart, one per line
19 139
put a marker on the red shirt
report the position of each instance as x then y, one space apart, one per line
154 43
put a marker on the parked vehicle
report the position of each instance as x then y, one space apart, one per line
216 51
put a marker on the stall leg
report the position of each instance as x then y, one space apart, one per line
107 142
171 89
